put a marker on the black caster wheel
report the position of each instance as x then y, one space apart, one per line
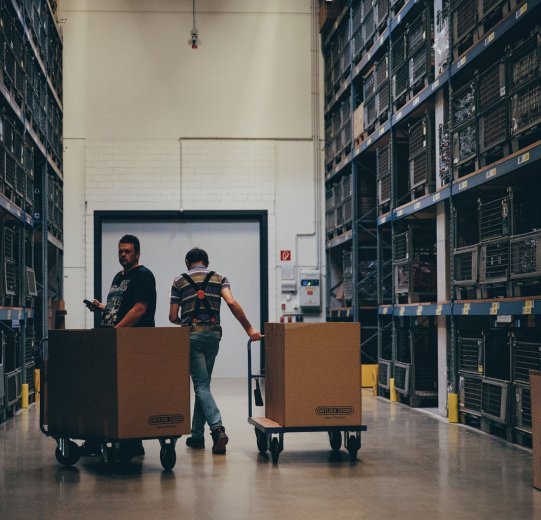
109 457
335 438
71 457
168 456
353 445
275 450
262 441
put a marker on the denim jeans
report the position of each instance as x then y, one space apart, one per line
204 348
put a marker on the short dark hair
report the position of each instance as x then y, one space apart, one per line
131 239
197 255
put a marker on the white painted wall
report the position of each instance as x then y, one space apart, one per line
151 124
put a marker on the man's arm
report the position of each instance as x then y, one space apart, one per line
173 313
238 312
133 315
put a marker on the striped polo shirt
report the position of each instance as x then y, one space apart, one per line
182 293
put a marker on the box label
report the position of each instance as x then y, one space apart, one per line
334 410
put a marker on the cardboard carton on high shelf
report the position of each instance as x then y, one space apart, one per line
313 375
119 383
358 121
535 386
328 12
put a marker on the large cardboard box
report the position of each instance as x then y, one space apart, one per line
313 375
358 121
535 386
328 12
119 383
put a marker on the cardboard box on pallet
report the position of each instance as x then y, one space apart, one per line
535 387
313 375
119 383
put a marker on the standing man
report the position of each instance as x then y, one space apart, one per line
197 294
131 302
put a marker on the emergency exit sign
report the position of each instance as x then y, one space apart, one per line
285 255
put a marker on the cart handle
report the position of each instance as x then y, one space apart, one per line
43 354
251 376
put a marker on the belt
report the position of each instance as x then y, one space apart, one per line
205 328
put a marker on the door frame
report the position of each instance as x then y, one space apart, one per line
259 216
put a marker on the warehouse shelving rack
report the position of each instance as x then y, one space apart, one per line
505 46
31 187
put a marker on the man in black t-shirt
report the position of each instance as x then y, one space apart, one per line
131 301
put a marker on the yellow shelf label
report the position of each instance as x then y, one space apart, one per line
436 197
463 185
402 311
420 310
495 308
525 157
491 173
466 309
385 310
522 10
438 310
489 39
417 205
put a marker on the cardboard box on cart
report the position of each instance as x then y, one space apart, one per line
535 387
119 383
313 375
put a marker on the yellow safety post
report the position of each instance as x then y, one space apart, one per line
37 381
375 380
392 392
452 407
24 395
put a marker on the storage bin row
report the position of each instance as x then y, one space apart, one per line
337 58
509 262
23 77
338 133
472 20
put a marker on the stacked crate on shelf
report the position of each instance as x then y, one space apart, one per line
464 129
420 41
381 14
347 201
357 31
525 356
421 157
346 126
525 85
330 218
491 12
10 258
493 120
399 68
416 364
464 18
444 141
384 178
414 264
347 273
369 100
381 89
368 23
367 284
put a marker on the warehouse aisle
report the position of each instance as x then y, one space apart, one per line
411 465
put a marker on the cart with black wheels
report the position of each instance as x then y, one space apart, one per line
270 434
88 383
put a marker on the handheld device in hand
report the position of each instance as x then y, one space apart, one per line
90 305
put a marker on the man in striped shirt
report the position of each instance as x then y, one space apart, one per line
197 295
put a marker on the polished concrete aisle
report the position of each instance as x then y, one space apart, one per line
411 465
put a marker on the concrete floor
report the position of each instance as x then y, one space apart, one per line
411 465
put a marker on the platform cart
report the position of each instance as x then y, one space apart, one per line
270 434
112 451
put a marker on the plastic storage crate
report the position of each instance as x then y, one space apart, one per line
471 354
384 374
492 85
495 400
466 265
493 127
524 61
494 261
381 12
420 153
526 256
402 247
526 356
470 394
522 408
464 23
383 163
465 143
526 108
495 218
464 104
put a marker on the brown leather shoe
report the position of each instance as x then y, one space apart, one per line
220 440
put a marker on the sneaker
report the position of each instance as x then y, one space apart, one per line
197 443
220 440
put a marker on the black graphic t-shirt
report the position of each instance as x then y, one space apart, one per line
137 285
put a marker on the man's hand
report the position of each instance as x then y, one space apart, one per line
98 304
254 334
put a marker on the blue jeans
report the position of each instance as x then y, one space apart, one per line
204 348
